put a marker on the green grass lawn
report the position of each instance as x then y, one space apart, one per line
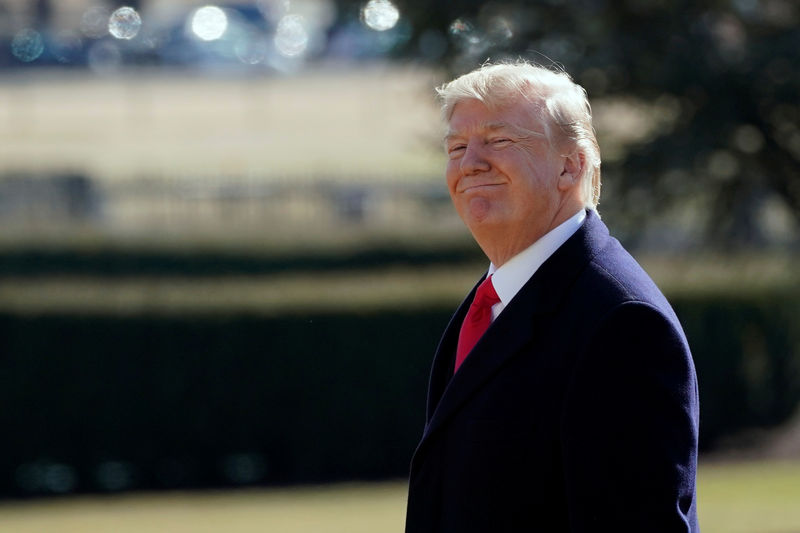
751 497
367 288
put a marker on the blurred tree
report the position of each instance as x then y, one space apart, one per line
731 73
721 79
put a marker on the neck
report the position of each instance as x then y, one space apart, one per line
501 243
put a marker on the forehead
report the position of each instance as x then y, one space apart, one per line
471 116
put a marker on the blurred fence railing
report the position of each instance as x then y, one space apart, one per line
220 204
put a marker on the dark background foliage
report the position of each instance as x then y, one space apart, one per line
727 72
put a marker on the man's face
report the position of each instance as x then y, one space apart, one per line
502 173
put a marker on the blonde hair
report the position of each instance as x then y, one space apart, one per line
562 104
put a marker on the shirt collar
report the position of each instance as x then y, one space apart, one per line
512 275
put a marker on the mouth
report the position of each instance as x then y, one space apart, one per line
479 186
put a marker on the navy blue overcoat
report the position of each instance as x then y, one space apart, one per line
577 411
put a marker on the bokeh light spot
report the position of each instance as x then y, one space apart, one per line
244 468
291 37
500 30
209 23
467 38
748 139
27 45
380 15
460 27
723 165
124 23
43 476
114 475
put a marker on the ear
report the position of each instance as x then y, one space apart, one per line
572 171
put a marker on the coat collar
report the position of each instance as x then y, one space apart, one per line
515 326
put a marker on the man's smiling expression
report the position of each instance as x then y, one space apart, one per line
502 173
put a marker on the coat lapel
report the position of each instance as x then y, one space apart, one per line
519 323
444 360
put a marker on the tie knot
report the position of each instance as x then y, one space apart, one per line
486 296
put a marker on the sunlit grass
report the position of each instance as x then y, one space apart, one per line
378 288
328 291
749 497
733 274
372 508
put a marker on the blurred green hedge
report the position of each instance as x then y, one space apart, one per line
185 402
97 403
109 261
746 349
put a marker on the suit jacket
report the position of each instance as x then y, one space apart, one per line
576 411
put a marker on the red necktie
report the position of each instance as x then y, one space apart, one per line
477 320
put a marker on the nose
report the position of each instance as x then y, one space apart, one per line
474 159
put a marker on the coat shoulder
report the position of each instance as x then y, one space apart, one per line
613 277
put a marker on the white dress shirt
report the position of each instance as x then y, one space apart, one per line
511 276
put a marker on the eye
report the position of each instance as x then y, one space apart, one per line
456 150
500 142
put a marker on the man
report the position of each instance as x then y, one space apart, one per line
576 410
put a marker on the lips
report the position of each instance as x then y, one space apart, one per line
476 186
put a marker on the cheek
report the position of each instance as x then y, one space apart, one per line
451 175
